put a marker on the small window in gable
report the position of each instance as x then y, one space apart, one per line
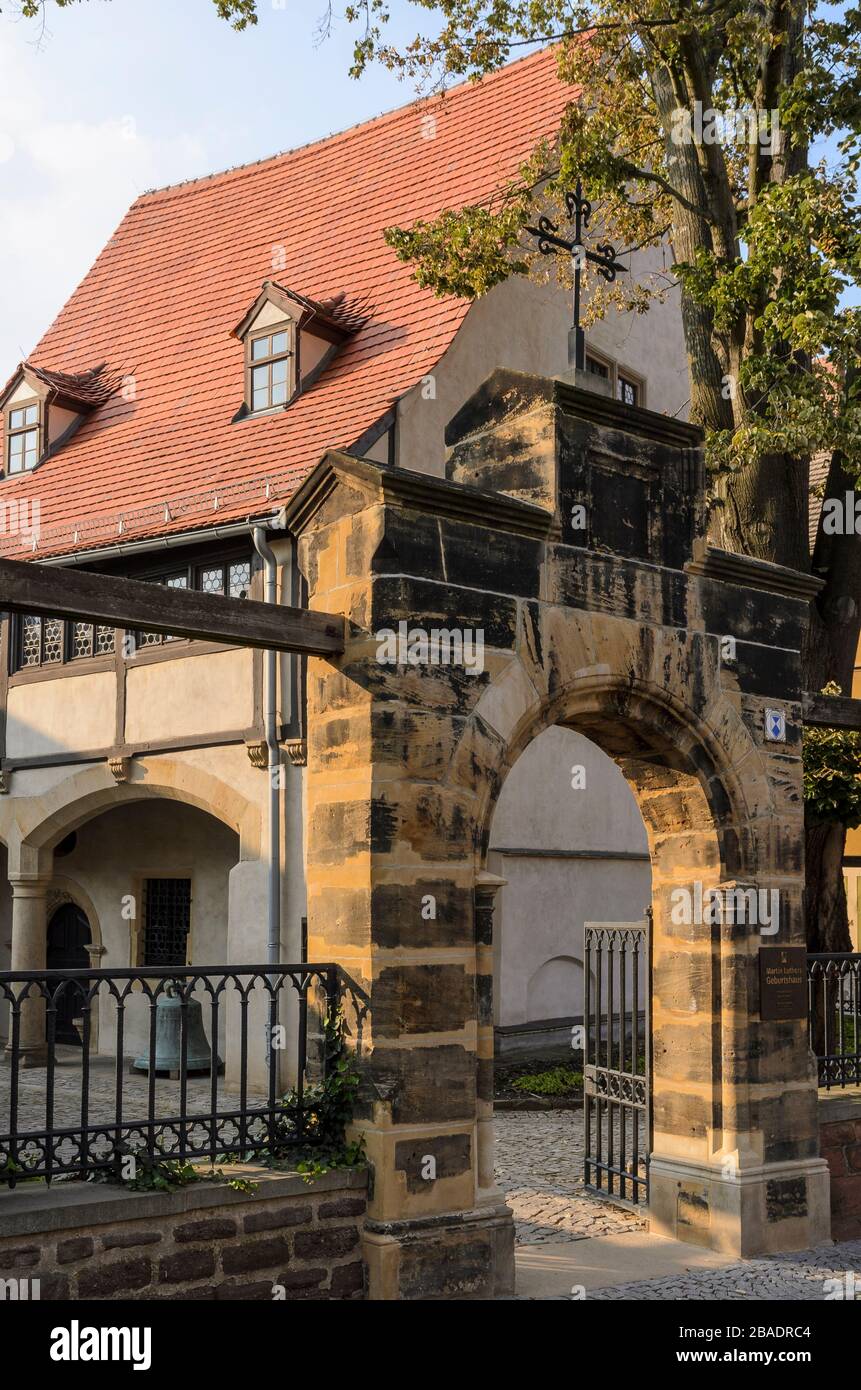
23 436
270 368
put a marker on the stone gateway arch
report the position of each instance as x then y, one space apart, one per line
566 549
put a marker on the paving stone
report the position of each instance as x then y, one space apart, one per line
539 1166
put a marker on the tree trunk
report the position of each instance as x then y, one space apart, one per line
825 893
829 655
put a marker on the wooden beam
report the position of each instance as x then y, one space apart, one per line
28 587
831 712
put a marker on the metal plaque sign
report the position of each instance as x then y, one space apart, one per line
782 982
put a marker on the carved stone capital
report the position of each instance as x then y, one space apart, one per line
5 781
120 768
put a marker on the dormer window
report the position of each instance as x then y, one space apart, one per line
270 357
23 428
289 341
42 409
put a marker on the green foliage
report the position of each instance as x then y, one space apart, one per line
327 1106
832 773
350 1155
313 1137
13 1172
239 13
765 244
461 253
160 1173
558 1081
164 1174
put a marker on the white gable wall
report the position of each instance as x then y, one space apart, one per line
552 883
524 326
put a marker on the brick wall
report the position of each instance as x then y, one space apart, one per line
289 1239
840 1145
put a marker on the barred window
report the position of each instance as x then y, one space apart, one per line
30 636
53 642
167 918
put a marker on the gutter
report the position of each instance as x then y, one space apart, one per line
142 547
270 718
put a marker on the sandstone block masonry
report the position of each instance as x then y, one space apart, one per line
569 531
289 1240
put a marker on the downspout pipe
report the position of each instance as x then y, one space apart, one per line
270 721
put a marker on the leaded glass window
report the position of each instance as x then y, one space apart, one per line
44 642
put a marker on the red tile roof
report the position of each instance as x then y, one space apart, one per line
187 262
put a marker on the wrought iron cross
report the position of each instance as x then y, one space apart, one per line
604 257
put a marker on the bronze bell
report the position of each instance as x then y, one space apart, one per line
168 1039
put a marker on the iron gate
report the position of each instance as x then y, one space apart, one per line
617 1097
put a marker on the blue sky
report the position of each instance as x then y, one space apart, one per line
126 95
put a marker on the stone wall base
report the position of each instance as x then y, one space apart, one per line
460 1255
760 1211
840 1146
288 1240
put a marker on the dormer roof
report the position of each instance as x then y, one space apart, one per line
336 317
78 391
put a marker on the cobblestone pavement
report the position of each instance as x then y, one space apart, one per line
539 1166
812 1276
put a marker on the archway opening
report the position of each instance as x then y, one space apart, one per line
569 849
69 935
157 873
665 799
570 844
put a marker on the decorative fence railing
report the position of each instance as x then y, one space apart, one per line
164 1064
834 1016
616 1059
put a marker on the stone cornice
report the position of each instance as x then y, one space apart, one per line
506 393
743 570
421 492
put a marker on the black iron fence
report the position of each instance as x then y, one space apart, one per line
616 1057
834 1016
103 1070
